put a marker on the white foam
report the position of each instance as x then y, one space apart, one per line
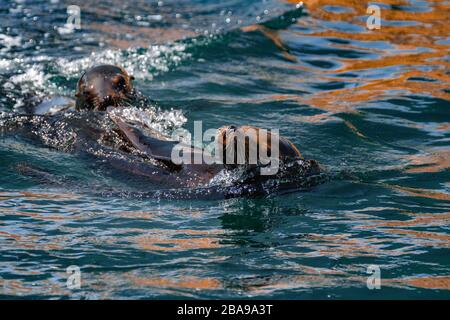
142 65
5 65
152 117
9 42
29 82
227 178
33 75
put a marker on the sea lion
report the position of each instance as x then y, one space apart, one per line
103 86
254 142
145 156
194 174
98 88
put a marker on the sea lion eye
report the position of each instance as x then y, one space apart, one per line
120 83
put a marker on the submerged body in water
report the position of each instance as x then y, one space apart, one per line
140 152
97 128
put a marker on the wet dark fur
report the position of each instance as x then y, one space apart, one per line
103 86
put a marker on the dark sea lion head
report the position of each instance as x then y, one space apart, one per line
260 140
103 86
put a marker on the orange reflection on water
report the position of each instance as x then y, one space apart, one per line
435 161
414 49
136 215
423 220
9 235
443 240
40 215
178 240
424 193
39 287
139 36
344 245
443 127
14 287
34 241
26 195
442 283
185 282
269 285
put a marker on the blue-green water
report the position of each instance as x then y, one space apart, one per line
371 106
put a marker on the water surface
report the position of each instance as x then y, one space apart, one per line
372 106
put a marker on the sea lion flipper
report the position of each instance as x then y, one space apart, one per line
151 146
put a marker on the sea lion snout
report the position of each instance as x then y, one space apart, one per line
103 86
255 144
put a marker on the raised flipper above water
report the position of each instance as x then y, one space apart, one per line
152 144
286 19
270 29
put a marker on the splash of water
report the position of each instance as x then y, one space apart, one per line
42 76
164 121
